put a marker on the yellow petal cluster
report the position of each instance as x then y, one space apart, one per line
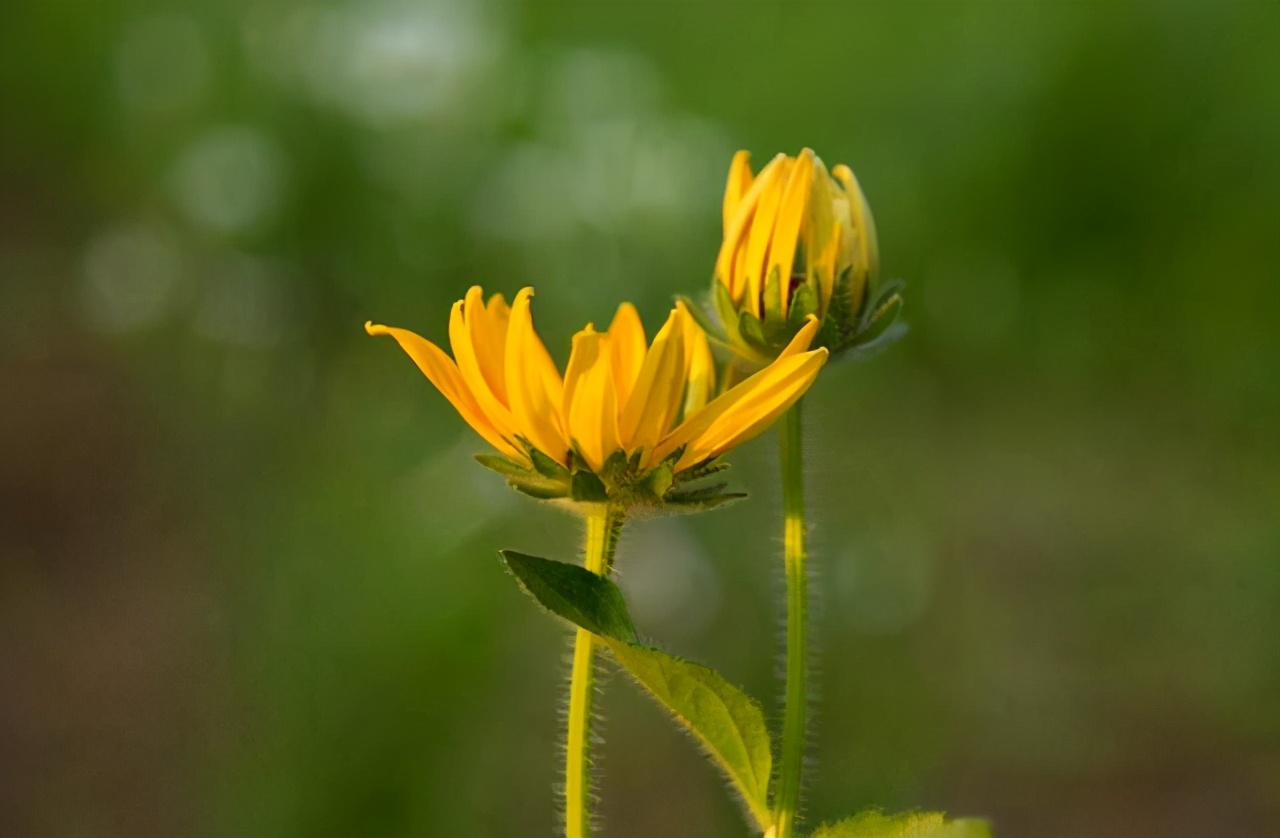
798 221
618 391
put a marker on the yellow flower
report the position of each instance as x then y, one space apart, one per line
628 422
799 241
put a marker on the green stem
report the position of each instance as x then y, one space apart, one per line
604 524
786 802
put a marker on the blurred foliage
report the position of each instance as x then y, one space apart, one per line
249 582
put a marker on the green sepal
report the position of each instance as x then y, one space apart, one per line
880 326
574 594
702 318
615 466
880 321
700 470
773 319
536 486
702 499
874 824
873 303
526 480
727 722
725 308
587 488
501 465
804 302
546 466
752 332
659 481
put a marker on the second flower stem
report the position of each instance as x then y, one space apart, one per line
786 802
603 528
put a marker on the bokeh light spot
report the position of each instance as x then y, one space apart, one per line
229 180
130 274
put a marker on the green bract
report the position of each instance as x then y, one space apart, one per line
621 482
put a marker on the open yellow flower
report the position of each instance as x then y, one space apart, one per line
799 241
629 420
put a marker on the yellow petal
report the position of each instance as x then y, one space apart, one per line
758 402
582 357
739 182
701 364
706 424
479 349
791 214
461 338
534 387
762 226
627 347
441 371
825 266
729 262
652 405
866 261
593 408
499 321
820 228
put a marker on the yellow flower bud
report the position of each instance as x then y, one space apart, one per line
799 241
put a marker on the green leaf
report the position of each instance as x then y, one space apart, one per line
727 722
573 593
875 824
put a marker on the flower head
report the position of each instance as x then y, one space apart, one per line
799 241
629 422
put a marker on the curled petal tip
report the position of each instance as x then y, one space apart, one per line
375 329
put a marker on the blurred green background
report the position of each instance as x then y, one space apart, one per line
249 585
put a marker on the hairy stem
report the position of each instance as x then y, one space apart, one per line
786 802
603 527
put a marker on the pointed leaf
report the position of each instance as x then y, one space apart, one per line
727 722
573 593
874 824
